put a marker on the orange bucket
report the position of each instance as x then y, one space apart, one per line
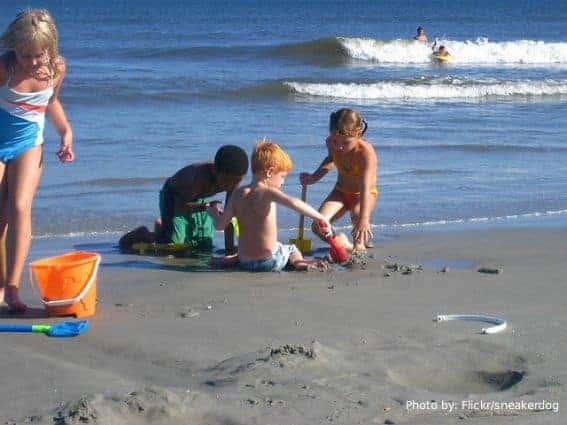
67 283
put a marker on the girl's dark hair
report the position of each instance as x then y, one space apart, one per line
347 122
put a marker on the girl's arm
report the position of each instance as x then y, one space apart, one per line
58 118
326 165
369 161
276 195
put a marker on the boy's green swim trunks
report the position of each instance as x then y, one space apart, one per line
195 229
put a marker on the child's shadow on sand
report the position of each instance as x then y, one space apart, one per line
183 265
196 261
30 313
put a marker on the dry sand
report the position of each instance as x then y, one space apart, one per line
173 346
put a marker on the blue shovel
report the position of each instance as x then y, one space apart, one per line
62 329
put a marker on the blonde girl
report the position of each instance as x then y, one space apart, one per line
355 190
31 72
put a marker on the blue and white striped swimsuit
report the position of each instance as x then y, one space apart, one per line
22 119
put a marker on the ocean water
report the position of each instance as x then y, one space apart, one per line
155 85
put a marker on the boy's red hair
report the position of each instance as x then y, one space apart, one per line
267 154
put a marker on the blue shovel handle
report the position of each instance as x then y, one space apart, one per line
15 328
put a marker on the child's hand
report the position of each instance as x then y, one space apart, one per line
213 208
65 153
325 226
362 233
305 179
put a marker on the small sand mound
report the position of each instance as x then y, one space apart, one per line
295 355
294 349
149 405
357 260
233 369
403 268
79 411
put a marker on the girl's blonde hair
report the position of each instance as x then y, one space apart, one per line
346 122
32 27
267 154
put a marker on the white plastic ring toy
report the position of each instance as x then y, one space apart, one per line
500 324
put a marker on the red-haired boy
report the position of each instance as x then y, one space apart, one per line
254 206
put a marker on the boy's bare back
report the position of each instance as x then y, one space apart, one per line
256 216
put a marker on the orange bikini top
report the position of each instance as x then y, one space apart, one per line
354 171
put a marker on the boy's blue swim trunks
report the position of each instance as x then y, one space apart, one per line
274 263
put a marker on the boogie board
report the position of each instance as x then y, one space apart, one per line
159 248
172 248
441 58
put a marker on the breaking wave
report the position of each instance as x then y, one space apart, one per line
480 51
432 89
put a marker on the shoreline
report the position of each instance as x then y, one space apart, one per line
384 231
292 348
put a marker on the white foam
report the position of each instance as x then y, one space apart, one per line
480 51
71 235
433 89
511 217
459 221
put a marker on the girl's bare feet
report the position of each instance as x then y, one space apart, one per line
13 301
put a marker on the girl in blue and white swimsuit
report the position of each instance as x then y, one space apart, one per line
31 72
22 118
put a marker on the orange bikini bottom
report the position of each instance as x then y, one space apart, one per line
349 198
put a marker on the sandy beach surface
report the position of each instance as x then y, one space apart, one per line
173 342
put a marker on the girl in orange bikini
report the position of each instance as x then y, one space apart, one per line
355 191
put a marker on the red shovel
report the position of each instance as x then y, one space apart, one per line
338 252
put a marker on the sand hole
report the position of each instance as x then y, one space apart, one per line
458 381
502 381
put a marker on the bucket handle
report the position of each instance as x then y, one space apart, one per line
70 301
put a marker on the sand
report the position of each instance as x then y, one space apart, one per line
174 344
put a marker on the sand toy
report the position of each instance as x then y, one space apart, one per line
67 283
304 245
62 329
338 252
499 322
